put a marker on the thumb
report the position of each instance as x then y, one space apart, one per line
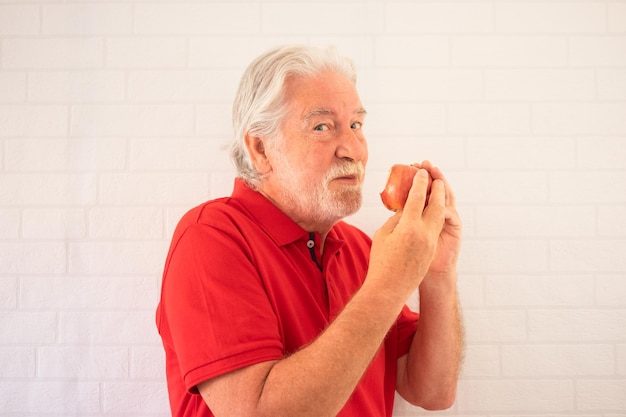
389 225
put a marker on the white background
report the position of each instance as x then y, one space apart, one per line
113 118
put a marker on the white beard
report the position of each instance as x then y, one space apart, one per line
316 202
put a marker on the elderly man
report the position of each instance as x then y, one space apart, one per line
271 305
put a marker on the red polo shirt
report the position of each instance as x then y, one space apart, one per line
244 284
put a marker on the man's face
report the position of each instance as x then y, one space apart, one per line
318 164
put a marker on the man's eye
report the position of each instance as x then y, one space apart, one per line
356 125
321 128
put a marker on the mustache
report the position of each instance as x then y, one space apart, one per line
345 168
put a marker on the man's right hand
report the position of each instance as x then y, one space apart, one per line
404 247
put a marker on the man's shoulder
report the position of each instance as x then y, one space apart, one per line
217 214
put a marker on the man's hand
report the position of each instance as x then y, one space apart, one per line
404 248
449 242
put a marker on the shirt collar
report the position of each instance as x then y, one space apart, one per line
280 227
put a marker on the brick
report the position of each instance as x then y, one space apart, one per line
89 155
601 153
588 255
52 223
509 51
214 120
146 362
565 17
9 223
520 153
217 86
33 121
116 258
412 51
499 187
540 361
48 189
503 256
621 359
196 18
174 214
609 290
87 19
61 397
19 257
494 326
587 187
612 221
516 396
12 87
148 52
19 19
83 362
446 152
156 188
481 361
222 183
591 51
20 328
8 293
88 292
213 52
539 290
17 362
489 119
580 325
111 328
438 17
601 394
471 290
339 18
76 86
579 118
535 221
540 84
53 53
126 223
389 119
617 17
422 84
179 155
131 120
138 397
611 84
360 48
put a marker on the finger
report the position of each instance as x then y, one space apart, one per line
436 209
416 199
436 173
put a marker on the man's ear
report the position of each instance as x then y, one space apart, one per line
256 150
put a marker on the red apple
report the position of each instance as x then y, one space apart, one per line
399 182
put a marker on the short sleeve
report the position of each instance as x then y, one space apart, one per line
214 306
406 325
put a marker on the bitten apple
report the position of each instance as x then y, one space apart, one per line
399 182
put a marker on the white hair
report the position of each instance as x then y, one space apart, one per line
259 105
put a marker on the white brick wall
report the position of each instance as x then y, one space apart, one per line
113 121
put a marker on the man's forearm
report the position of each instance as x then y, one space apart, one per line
431 369
319 379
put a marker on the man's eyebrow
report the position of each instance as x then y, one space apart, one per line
317 112
323 112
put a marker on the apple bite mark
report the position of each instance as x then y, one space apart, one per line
399 182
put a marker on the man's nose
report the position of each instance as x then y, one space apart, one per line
352 146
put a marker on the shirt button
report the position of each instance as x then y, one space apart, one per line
310 244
